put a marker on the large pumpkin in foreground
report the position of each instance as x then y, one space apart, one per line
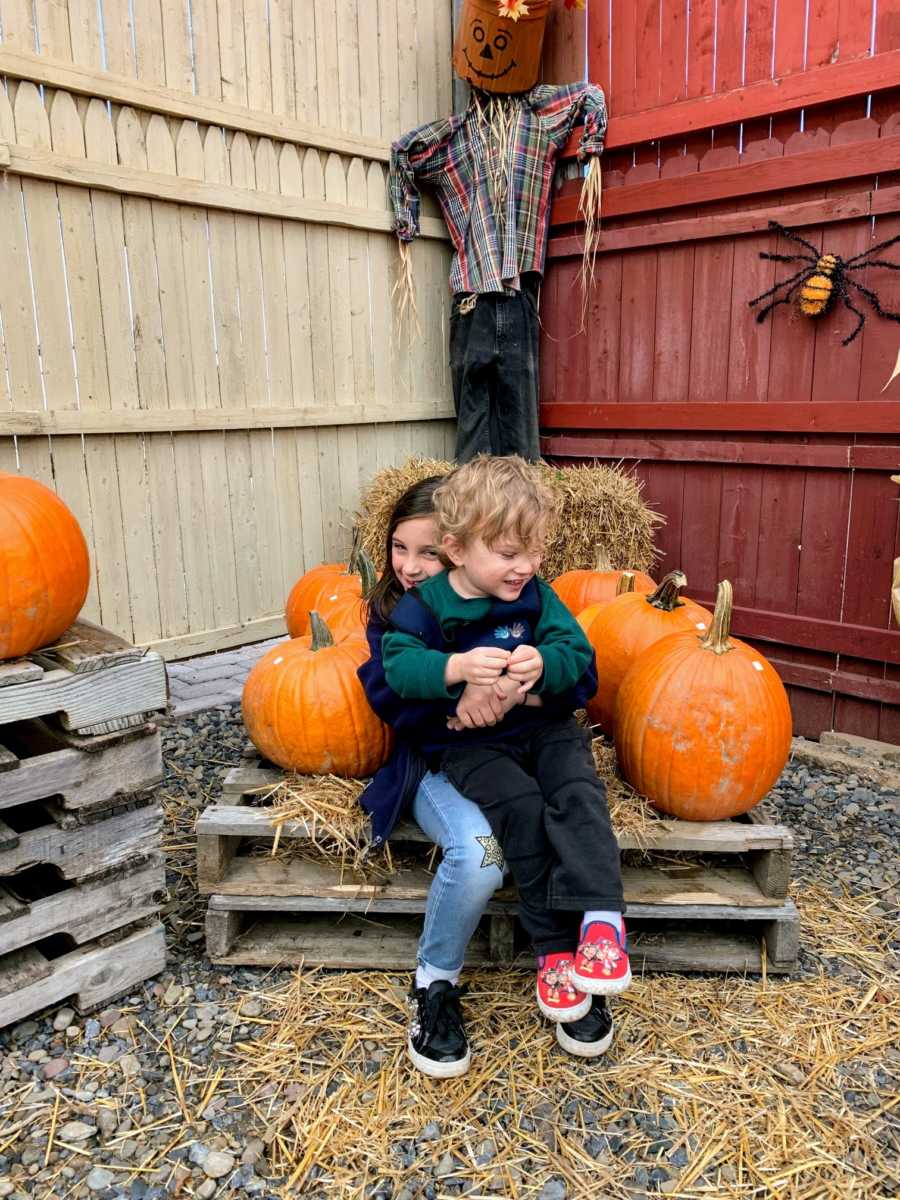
305 709
44 566
703 724
623 629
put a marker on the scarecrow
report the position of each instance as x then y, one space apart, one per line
492 169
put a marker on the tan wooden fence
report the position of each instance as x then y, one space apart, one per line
197 348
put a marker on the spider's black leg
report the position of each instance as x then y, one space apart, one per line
860 317
785 299
794 237
877 262
782 283
872 249
874 301
787 257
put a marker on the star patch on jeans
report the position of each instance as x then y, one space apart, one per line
493 855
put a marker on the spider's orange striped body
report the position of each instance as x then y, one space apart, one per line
818 289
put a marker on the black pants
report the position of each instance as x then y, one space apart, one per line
547 808
494 367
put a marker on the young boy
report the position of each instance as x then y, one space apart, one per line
491 622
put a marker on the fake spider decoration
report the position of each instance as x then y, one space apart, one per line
823 279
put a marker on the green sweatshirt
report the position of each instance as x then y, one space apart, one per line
537 618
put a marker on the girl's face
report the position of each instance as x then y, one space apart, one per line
414 551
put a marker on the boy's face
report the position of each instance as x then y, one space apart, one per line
501 570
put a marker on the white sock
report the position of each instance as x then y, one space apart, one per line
598 914
426 975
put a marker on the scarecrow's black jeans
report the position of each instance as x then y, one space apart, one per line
547 808
494 368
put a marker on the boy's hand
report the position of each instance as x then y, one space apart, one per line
525 667
480 707
482 666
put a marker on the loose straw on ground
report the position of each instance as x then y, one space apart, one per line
741 1086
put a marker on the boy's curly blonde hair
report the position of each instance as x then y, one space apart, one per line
492 498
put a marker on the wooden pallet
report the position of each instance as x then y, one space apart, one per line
31 909
272 936
39 760
41 833
686 914
93 680
34 978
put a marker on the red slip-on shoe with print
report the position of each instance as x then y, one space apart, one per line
601 965
557 997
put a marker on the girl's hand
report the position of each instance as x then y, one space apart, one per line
480 707
482 666
525 667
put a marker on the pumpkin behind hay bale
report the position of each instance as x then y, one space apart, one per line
598 507
596 587
305 709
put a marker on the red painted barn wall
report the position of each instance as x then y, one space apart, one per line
782 483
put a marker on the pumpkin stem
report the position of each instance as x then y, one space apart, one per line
319 632
355 551
366 570
603 561
626 583
717 637
668 595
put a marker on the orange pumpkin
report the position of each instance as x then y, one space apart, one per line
580 589
703 724
44 566
586 618
500 53
624 628
336 591
305 709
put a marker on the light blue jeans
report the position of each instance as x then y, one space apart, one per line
468 874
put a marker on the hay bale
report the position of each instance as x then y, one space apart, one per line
600 508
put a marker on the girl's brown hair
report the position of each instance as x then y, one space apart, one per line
416 501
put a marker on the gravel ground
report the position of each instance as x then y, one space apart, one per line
138 1101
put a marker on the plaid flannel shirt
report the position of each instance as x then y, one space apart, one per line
449 154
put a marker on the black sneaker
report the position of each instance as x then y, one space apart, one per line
437 1037
591 1036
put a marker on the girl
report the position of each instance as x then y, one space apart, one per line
470 870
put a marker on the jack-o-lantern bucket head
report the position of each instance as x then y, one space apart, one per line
500 53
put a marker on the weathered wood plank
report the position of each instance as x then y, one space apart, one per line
21 969
390 944
275 878
701 836
504 902
84 700
19 670
8 838
82 779
89 909
93 975
87 849
85 648
8 760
